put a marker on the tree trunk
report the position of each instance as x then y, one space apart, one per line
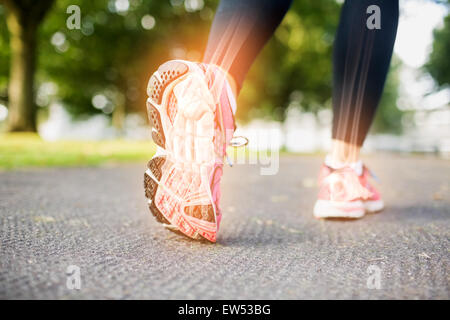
22 109
23 19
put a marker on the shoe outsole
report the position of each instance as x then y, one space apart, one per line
155 92
165 75
151 187
158 82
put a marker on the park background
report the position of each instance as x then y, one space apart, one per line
78 100
78 96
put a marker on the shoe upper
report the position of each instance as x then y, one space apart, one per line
364 180
224 126
343 185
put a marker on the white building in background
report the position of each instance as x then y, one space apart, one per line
61 126
432 131
304 132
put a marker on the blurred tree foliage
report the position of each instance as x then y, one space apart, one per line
115 51
119 45
104 66
388 117
439 62
297 59
297 65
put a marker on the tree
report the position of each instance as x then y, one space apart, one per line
104 66
438 64
23 19
296 59
113 54
4 58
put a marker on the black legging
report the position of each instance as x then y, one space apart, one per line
360 61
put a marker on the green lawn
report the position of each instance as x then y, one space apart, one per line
22 150
29 150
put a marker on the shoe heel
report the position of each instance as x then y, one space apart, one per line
158 82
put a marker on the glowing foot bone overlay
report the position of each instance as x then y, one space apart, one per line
177 181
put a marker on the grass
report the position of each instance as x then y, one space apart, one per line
19 150
26 150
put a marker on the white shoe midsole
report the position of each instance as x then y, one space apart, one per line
374 205
335 209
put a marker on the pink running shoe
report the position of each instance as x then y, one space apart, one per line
374 203
344 194
192 123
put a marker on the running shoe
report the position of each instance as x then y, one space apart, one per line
190 110
374 203
343 194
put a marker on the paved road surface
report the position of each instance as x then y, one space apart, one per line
269 246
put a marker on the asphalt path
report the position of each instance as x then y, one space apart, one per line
95 221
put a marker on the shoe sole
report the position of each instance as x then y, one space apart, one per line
329 209
374 205
176 182
332 209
